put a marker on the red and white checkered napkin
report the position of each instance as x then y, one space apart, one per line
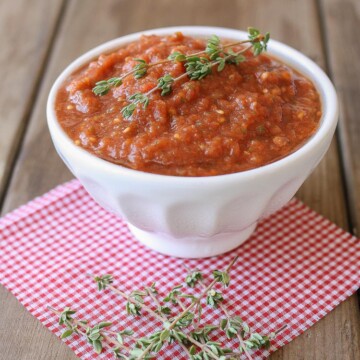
295 269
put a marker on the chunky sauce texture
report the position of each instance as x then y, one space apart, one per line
243 117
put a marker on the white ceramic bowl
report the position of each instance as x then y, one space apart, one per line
195 217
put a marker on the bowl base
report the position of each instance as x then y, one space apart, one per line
192 247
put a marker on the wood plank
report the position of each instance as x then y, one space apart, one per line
341 21
39 168
22 56
25 38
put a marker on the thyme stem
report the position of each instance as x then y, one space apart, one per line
223 47
182 305
156 301
201 346
147 350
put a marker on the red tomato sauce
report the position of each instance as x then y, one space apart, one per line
243 117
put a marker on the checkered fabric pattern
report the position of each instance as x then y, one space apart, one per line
294 270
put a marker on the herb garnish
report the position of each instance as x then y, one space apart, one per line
182 327
197 66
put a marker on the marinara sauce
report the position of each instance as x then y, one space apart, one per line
243 117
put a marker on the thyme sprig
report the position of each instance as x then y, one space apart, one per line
182 327
197 66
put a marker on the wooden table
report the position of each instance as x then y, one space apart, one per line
39 38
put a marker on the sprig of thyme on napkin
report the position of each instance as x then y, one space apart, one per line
183 327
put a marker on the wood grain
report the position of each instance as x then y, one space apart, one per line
38 167
25 38
340 18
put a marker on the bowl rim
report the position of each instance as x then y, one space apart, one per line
276 49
